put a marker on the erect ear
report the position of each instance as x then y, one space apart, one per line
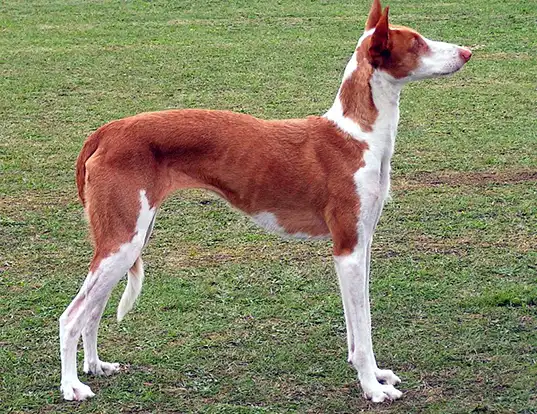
374 15
379 47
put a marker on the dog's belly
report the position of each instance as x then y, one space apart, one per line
292 224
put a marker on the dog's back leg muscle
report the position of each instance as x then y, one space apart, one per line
116 251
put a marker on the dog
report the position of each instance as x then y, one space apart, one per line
322 176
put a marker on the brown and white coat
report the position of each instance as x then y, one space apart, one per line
323 176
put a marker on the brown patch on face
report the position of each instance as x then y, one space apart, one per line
401 54
406 48
401 27
356 96
394 49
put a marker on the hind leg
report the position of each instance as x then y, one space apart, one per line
70 323
110 263
91 298
92 363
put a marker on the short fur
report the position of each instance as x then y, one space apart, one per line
323 176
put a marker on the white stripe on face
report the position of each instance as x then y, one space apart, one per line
442 59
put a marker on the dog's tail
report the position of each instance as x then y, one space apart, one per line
135 277
89 147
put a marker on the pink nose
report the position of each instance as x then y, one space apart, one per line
465 53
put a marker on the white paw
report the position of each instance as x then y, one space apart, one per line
101 368
378 393
386 376
75 390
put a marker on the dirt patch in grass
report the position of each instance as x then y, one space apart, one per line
461 246
191 255
464 178
16 206
458 247
504 55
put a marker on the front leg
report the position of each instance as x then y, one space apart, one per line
351 257
351 270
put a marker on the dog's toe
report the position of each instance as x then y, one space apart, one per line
386 376
378 393
101 368
76 391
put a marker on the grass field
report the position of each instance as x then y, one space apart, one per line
233 320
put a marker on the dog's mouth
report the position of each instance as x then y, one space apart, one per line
447 73
450 71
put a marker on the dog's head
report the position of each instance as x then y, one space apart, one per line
403 53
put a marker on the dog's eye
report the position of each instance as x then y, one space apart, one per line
419 44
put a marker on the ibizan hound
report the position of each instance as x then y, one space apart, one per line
323 176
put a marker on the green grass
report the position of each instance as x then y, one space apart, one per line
233 320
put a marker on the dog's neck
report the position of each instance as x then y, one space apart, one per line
386 97
367 105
